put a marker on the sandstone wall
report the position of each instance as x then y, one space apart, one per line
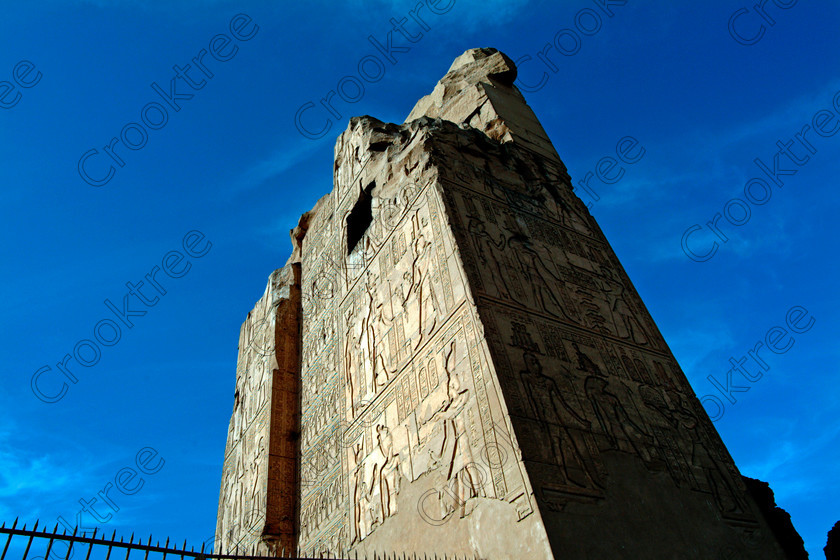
477 374
258 497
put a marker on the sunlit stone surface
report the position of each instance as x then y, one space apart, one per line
454 361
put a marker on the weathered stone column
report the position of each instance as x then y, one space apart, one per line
258 499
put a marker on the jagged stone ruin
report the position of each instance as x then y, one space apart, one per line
453 361
832 545
777 519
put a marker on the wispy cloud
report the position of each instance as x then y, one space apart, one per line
31 480
482 13
44 484
790 117
280 161
782 464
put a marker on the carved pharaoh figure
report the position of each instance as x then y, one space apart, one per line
388 471
420 302
538 277
488 251
454 453
556 415
714 475
614 420
373 364
624 320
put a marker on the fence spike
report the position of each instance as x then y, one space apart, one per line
70 544
202 544
5 548
15 523
131 539
95 529
55 530
90 548
114 536
49 547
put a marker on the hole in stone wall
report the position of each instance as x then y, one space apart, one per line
360 218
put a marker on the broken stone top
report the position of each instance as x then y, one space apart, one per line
479 91
481 65
476 66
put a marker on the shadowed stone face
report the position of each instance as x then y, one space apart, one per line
457 363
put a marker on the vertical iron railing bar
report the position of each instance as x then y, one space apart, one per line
26 550
10 535
5 548
49 547
70 544
97 539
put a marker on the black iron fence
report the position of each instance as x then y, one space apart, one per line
34 544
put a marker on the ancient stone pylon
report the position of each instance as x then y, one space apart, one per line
454 361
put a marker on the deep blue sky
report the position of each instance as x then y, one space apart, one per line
232 165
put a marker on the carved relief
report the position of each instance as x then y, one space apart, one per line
476 334
450 447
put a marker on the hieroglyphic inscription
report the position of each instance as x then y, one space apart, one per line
593 370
